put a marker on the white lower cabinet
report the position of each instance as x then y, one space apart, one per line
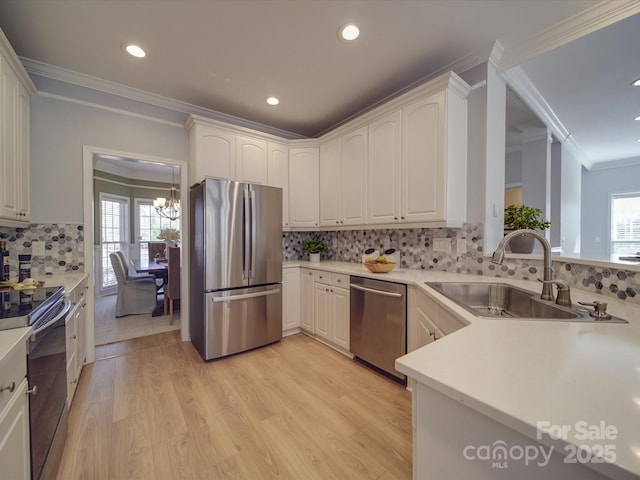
76 338
290 299
428 321
331 307
15 452
307 314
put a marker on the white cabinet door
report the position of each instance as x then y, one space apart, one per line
323 310
423 132
24 156
340 303
9 149
15 453
215 153
307 309
303 187
251 160
353 178
291 298
330 201
278 175
384 169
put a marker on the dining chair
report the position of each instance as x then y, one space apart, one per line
135 295
157 250
172 287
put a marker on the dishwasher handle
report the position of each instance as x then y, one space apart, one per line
377 292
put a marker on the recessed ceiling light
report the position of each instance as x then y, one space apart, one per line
135 50
273 101
349 32
638 118
636 83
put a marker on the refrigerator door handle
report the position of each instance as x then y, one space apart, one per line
246 234
243 296
253 239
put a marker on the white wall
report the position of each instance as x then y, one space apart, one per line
60 128
513 168
555 214
570 201
597 186
536 174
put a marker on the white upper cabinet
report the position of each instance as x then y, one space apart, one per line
212 152
343 179
353 177
384 168
330 183
251 160
303 187
15 88
278 175
416 154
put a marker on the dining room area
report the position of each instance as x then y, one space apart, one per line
137 251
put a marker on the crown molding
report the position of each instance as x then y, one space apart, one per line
624 162
595 18
94 83
522 85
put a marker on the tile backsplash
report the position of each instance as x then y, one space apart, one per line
416 251
65 253
64 248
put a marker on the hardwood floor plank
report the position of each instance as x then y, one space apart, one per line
293 410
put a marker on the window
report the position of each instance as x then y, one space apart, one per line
625 223
149 224
113 233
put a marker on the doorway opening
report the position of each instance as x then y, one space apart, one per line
126 224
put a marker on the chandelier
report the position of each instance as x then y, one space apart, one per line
168 208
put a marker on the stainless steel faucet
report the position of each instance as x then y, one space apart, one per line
498 257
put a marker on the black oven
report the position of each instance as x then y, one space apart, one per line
47 376
45 311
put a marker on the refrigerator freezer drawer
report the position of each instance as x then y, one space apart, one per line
239 320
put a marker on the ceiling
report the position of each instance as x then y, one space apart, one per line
228 56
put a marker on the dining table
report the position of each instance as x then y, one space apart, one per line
158 270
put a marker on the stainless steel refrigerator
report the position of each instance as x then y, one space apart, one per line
235 266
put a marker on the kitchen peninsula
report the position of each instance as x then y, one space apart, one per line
494 380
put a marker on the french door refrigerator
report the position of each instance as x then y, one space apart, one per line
235 269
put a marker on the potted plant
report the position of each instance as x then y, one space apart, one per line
314 247
518 217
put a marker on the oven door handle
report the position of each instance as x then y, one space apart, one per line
377 292
65 310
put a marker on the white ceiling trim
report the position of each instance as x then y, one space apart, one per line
521 84
589 21
625 162
80 79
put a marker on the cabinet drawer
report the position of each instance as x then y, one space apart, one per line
14 370
340 280
322 277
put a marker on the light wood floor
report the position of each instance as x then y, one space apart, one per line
152 409
109 329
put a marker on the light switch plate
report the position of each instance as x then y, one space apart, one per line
441 244
461 245
37 249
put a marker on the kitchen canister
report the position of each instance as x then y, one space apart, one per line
24 266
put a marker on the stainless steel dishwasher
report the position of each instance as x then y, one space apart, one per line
378 333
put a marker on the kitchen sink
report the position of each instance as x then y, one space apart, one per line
500 300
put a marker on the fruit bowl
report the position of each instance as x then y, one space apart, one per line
380 267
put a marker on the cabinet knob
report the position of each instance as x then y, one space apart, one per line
73 337
33 391
395 218
326 289
401 218
11 387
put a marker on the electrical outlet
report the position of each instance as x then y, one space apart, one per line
334 243
441 244
461 245
37 249
386 243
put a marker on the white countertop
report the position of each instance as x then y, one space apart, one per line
521 372
67 280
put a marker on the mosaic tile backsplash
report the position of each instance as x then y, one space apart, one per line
416 251
64 247
65 253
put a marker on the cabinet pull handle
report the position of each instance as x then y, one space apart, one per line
33 391
73 337
11 387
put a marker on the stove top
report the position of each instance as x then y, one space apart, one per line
22 309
